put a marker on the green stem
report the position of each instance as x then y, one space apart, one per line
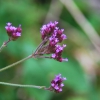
31 56
20 85
40 45
3 45
9 66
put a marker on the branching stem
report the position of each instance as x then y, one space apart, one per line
5 44
16 63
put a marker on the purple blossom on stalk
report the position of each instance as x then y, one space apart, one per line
51 35
56 83
58 52
12 31
54 35
47 30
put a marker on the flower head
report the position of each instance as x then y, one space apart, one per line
56 83
12 31
48 29
52 35
58 52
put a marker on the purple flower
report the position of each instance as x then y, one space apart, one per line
12 31
58 52
52 35
56 83
48 29
59 34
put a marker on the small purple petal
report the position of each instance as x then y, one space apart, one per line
64 78
56 87
64 59
6 27
64 45
62 85
18 34
60 89
63 36
53 55
52 84
62 30
9 24
56 22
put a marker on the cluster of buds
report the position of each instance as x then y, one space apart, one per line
56 84
52 35
12 31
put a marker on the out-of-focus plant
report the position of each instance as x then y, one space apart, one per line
51 35
81 21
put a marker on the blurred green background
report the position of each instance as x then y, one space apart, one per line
81 21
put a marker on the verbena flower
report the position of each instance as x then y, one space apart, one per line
56 84
12 31
54 35
47 30
51 37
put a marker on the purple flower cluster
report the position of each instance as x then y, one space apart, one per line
51 35
12 31
48 29
55 36
56 83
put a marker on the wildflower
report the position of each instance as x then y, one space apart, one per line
54 35
56 84
12 31
58 52
47 30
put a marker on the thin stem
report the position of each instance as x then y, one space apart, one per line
44 57
5 44
9 66
41 44
30 56
20 85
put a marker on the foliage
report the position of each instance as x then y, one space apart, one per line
82 69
